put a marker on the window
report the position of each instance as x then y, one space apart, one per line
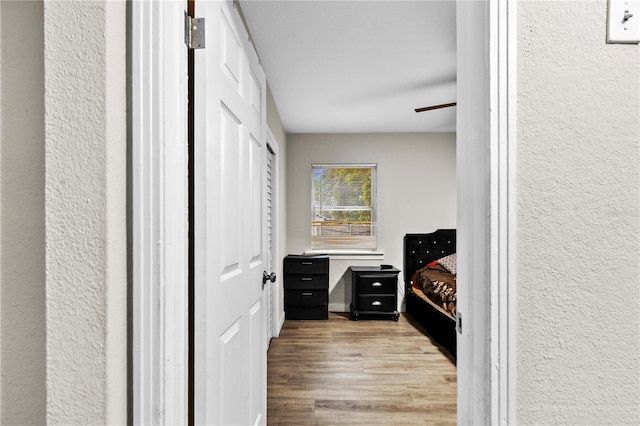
344 207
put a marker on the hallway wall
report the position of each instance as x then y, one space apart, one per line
578 215
22 214
85 204
63 306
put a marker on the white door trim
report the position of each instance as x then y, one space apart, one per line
158 215
486 33
503 52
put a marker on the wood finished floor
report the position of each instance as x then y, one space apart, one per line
366 372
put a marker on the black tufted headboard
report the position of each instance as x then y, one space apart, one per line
421 249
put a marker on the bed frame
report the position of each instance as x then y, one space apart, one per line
419 250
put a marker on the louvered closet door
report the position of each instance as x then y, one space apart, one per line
270 246
230 229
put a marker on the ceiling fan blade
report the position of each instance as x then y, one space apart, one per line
430 108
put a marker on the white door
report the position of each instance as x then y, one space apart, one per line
230 164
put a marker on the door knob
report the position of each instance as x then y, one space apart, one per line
268 277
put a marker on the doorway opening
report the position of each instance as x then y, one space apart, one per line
485 189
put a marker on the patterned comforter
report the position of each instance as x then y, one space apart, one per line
437 282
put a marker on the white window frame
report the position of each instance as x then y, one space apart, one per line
374 196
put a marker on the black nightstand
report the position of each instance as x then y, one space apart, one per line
374 292
306 287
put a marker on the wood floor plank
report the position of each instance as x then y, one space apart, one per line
358 373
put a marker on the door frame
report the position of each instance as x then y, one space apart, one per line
486 191
158 221
486 119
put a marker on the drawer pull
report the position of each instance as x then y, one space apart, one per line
376 284
307 294
376 303
307 263
306 279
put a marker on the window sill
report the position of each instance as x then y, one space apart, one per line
348 254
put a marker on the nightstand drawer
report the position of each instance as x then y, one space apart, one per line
377 284
306 265
306 297
306 282
377 303
307 313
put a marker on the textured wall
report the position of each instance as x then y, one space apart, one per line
413 171
578 218
85 146
22 290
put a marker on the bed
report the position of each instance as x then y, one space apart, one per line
430 284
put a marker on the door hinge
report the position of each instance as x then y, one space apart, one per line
194 32
459 322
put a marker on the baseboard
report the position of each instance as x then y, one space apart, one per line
338 307
280 325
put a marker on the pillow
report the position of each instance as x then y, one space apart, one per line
449 262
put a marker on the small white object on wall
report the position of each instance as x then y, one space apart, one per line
623 21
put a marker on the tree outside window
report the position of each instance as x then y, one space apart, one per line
343 210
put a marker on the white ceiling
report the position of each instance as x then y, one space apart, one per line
357 66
